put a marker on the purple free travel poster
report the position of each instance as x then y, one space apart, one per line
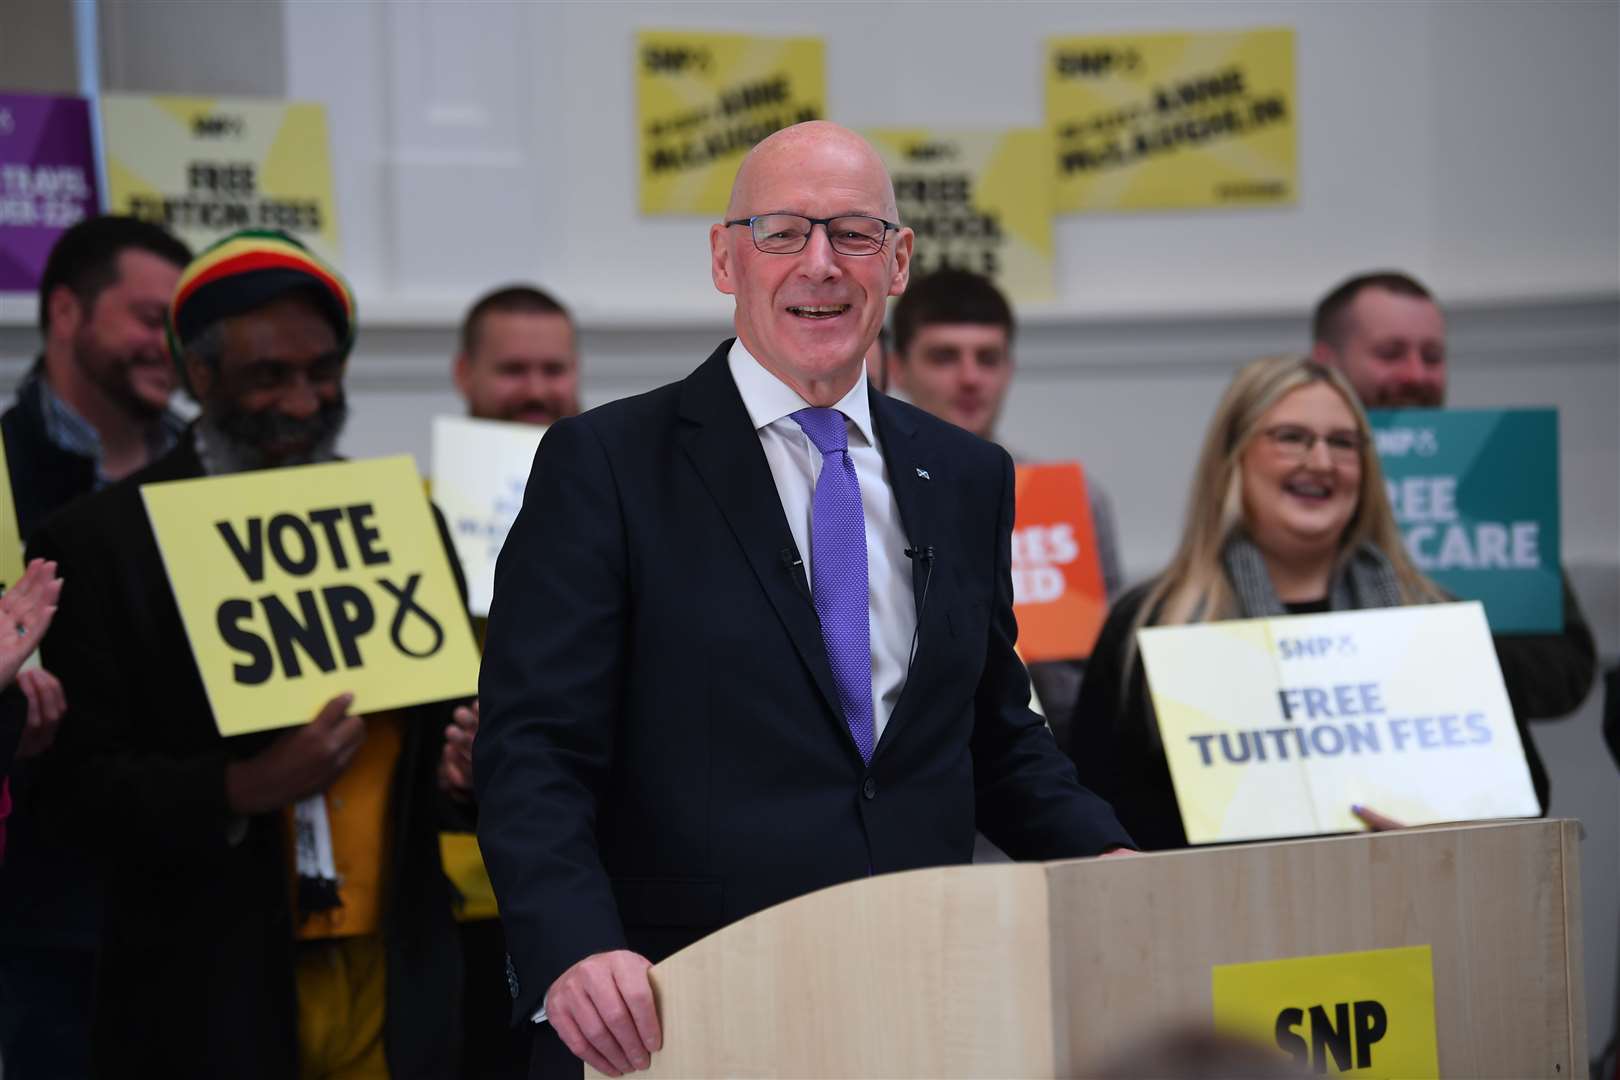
47 180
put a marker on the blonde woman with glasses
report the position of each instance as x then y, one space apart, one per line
1288 515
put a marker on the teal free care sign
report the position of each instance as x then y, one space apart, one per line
1476 495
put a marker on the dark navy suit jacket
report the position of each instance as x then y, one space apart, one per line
661 751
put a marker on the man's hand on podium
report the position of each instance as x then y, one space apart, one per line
602 1008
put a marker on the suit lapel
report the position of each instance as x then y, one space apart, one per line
918 496
724 448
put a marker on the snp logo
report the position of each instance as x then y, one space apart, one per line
1322 647
930 151
1401 441
218 126
1347 1035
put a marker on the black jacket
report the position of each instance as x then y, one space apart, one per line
197 966
660 750
48 895
44 477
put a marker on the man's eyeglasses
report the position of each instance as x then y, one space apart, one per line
1296 443
787 234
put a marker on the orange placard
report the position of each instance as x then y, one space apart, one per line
1058 592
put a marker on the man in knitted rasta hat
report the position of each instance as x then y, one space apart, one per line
215 960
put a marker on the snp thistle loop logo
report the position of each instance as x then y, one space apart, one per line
1401 441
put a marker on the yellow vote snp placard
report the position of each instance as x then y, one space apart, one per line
977 200
1164 121
203 167
703 101
1277 727
298 584
1365 1014
11 546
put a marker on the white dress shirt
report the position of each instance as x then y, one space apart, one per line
795 466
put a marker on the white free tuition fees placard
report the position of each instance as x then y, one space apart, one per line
480 468
1276 727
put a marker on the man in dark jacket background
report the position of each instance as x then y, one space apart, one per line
94 408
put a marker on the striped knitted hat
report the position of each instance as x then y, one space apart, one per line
248 269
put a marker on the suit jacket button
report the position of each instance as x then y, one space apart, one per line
869 789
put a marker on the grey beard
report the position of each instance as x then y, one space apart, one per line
222 454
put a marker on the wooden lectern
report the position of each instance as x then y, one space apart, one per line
1036 970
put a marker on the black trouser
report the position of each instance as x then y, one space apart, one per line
551 1058
491 1049
46 995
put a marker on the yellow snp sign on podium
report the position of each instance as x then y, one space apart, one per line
298 584
1277 727
1361 1014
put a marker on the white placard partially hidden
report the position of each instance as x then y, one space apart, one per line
480 468
1276 727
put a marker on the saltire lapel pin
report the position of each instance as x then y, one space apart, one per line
924 474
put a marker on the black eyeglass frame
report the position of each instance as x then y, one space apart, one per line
825 223
1337 451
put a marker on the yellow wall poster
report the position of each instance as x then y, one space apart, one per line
704 100
296 585
1165 121
204 167
1277 727
1366 1014
977 200
11 545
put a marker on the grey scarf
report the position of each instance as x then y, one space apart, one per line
1364 579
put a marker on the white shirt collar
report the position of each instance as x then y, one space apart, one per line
769 399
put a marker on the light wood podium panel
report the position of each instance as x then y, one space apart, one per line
1039 969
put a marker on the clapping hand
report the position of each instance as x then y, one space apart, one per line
26 610
455 764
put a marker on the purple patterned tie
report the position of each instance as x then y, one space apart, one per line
838 570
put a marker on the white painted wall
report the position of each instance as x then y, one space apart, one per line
1475 144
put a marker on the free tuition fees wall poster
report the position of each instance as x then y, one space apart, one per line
977 200
47 181
204 167
1173 121
704 100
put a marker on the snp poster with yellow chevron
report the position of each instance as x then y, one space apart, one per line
703 101
1173 121
977 200
203 167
